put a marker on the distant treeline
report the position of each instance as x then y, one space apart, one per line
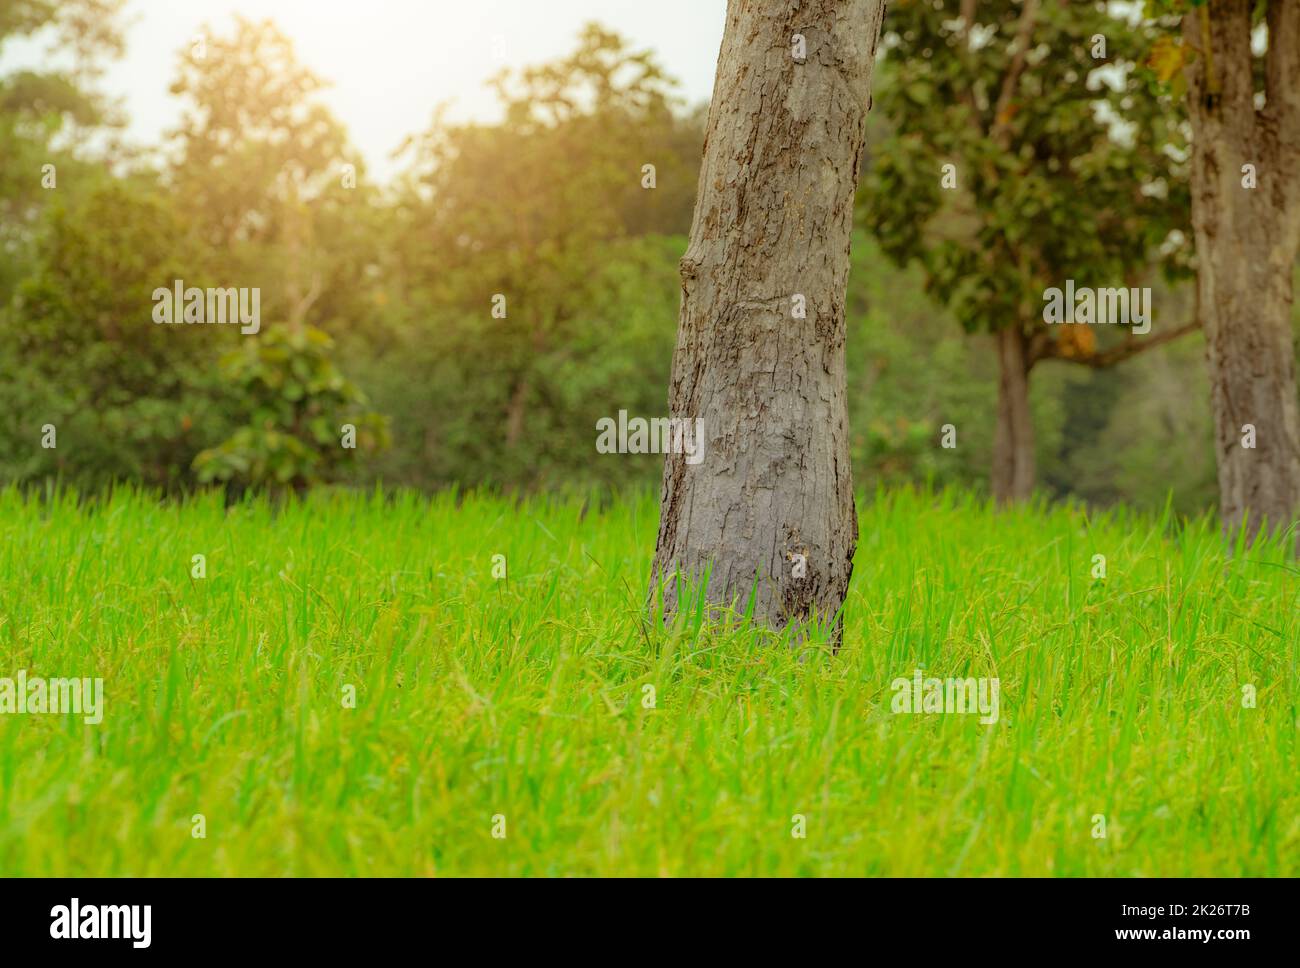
473 320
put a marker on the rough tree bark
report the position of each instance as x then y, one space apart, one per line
770 509
1013 440
1246 244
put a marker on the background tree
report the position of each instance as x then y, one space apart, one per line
280 200
45 113
1245 202
129 399
514 239
768 513
259 166
85 241
1060 170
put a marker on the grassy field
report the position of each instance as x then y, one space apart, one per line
523 698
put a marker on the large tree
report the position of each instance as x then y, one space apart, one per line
768 514
1245 111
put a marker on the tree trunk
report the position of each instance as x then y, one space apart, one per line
1246 245
760 340
1013 440
515 409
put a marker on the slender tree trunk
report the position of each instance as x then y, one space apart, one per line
523 386
1013 441
1246 244
760 341
515 409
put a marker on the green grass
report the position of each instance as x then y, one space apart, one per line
477 697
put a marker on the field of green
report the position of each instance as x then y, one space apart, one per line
517 705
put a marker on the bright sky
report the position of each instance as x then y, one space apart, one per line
391 61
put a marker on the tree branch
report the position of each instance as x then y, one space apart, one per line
967 17
1129 348
998 131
